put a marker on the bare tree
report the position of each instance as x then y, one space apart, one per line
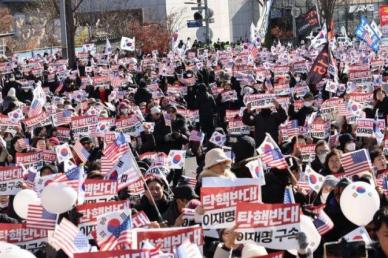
174 21
5 20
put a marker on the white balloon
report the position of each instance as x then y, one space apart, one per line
17 253
7 247
359 202
22 200
312 234
58 198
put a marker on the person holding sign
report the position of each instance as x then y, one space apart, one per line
265 121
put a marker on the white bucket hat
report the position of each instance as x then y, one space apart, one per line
214 157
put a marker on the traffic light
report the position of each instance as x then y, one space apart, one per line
198 16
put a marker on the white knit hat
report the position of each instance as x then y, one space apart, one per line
215 156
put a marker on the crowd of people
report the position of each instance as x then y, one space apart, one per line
208 103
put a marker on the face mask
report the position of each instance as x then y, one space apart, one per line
297 79
308 103
350 146
124 111
322 157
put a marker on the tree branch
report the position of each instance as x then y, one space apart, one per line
77 5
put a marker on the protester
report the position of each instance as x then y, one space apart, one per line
202 142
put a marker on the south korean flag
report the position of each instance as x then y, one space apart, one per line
176 159
218 139
16 115
63 153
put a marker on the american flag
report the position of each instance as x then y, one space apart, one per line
63 117
23 143
35 108
274 158
29 178
190 181
323 223
288 195
71 177
81 152
112 153
117 148
292 128
69 238
355 162
116 81
383 183
39 217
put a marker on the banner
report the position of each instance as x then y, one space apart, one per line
97 190
141 253
42 119
319 68
274 226
262 24
364 127
366 33
33 159
131 125
10 180
237 127
83 125
31 239
320 129
219 197
307 22
307 152
383 11
168 238
91 211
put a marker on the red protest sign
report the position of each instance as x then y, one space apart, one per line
220 202
91 211
168 238
364 127
272 255
10 177
99 190
29 159
273 226
140 253
383 11
30 239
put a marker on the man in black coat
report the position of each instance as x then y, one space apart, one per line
265 121
306 110
142 94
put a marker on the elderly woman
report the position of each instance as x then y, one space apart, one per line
217 164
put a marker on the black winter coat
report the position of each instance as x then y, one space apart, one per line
265 124
300 115
142 95
150 210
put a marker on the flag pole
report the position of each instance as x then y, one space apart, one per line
146 187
